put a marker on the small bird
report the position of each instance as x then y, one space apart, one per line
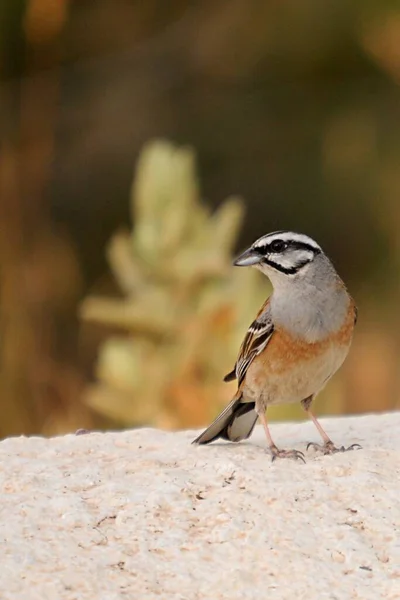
299 339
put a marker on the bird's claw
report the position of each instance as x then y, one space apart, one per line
330 448
294 454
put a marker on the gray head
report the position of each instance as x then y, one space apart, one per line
309 298
287 257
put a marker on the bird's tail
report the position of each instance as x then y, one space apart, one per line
235 423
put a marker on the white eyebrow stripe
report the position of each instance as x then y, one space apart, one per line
286 236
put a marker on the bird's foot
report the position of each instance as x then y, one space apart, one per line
330 448
294 454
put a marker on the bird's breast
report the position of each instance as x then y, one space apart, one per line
291 369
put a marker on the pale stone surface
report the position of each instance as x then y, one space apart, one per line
143 514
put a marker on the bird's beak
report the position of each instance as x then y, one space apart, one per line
249 258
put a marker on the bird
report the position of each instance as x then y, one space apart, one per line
298 340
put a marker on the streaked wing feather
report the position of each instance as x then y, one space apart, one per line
256 339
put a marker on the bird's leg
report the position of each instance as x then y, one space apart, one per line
328 447
276 453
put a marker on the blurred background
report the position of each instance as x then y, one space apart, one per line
142 144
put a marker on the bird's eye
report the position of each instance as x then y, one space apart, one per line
278 246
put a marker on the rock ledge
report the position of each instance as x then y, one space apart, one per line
143 514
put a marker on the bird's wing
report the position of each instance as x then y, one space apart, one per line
257 337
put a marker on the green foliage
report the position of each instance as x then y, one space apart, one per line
184 309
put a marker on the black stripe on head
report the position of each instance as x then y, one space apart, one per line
304 246
280 241
273 247
287 270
